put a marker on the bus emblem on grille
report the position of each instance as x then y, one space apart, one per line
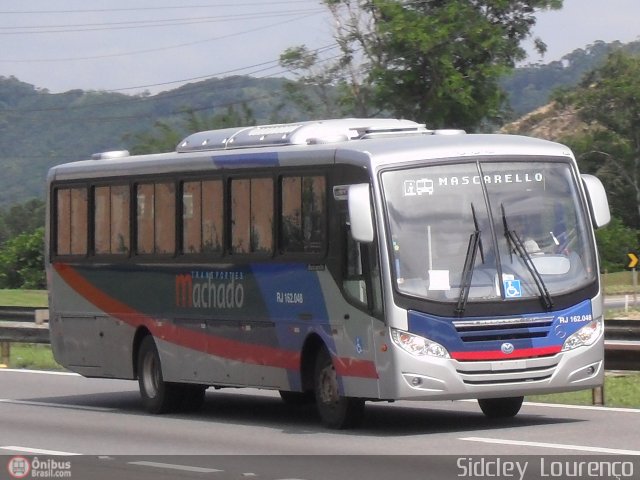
507 348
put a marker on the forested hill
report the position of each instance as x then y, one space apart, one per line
530 87
39 129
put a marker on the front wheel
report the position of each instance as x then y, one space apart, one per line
335 411
501 407
157 395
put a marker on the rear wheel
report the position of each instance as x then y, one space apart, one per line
501 407
335 411
157 395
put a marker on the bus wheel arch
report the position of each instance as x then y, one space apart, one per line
308 356
336 411
312 345
141 333
158 396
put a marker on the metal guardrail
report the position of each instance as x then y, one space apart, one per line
17 314
20 325
622 337
622 344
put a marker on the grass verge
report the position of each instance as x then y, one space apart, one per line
32 356
24 298
621 389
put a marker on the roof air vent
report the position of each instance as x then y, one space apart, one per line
448 131
110 155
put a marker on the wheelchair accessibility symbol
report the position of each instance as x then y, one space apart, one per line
512 289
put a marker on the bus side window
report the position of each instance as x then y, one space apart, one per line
144 223
252 215
303 214
155 218
71 221
111 219
202 217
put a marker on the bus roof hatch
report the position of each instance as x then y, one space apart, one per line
302 133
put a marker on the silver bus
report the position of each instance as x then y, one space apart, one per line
337 262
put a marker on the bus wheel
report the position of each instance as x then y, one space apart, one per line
500 407
297 398
335 411
157 395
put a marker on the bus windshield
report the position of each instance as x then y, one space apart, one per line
488 231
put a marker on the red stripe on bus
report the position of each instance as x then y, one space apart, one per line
350 367
499 355
230 349
104 302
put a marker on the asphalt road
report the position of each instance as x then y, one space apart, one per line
253 434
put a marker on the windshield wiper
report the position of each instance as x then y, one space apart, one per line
475 244
475 223
514 240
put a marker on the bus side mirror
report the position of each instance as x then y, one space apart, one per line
598 203
359 202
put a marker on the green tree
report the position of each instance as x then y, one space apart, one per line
598 152
614 242
163 138
20 218
22 261
608 99
431 60
166 137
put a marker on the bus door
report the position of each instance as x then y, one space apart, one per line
362 289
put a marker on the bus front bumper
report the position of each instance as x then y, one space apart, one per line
430 378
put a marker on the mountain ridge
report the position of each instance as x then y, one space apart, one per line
39 129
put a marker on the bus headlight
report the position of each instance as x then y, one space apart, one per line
417 345
587 335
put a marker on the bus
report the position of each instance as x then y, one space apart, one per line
336 262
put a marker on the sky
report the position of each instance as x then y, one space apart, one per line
144 45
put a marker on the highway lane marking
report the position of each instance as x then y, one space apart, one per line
535 404
56 405
556 446
584 407
171 466
37 451
41 372
601 408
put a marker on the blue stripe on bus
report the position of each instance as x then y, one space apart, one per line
563 323
292 295
264 159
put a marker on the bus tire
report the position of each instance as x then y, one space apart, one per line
336 411
157 395
500 407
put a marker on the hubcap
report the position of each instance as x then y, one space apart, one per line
150 376
329 385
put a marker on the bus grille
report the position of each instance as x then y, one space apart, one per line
523 370
503 329
507 371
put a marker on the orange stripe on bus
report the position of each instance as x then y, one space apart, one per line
230 349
